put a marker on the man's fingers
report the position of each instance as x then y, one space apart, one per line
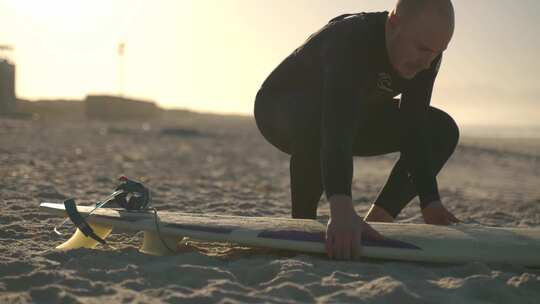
347 246
338 247
451 218
355 245
446 221
335 249
441 221
454 219
374 234
329 244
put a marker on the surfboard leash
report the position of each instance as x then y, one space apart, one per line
159 231
130 195
80 222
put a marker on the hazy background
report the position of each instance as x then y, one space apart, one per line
213 55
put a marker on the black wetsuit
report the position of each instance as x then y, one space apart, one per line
333 98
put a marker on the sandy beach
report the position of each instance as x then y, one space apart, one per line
222 165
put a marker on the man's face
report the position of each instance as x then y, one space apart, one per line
414 44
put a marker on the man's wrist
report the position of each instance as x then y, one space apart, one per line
429 203
427 198
340 204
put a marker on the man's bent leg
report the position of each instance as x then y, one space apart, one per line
293 128
305 162
399 189
306 185
378 214
379 135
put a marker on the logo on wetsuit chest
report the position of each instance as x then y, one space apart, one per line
384 82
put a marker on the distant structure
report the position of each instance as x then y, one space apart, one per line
7 81
111 108
121 50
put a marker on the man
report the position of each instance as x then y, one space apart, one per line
333 98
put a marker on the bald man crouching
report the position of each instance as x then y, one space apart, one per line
333 98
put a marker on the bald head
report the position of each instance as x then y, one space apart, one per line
417 31
443 10
411 7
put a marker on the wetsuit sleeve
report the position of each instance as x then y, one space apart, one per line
415 143
340 93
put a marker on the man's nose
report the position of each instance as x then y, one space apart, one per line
426 63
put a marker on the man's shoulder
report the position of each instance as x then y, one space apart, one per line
357 27
357 33
349 27
360 16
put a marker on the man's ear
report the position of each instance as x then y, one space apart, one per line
394 23
393 19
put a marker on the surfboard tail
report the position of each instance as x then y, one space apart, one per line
79 240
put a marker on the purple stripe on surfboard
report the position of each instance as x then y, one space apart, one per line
201 228
302 236
319 237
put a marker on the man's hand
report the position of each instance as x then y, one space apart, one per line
378 214
435 214
344 230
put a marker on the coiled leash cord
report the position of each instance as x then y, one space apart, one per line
130 195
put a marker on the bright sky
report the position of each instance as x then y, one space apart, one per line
212 55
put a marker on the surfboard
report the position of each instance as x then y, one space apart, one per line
460 243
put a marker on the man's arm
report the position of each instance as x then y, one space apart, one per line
341 86
415 143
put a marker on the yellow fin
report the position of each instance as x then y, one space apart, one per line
153 245
79 240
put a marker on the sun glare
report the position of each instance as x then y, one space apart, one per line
52 9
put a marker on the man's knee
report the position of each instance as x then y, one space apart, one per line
273 124
446 129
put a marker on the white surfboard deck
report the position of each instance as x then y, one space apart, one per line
407 242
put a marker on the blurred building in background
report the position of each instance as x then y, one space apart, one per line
110 108
7 81
93 107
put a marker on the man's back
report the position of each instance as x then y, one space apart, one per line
303 69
